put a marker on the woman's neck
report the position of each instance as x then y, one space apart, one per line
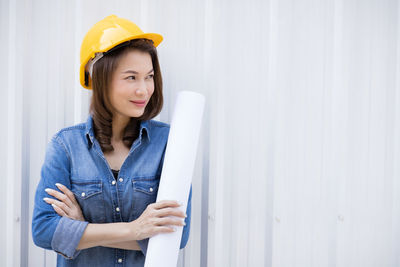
119 122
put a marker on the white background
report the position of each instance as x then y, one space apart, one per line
299 156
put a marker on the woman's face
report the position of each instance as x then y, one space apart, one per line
132 82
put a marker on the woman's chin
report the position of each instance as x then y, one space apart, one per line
135 114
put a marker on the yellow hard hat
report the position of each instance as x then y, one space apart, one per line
106 34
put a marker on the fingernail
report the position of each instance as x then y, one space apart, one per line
184 223
45 199
47 190
59 185
185 215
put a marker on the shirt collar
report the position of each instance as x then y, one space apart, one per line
89 133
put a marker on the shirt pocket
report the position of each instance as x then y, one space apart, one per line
144 192
89 194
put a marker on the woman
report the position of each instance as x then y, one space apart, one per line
95 202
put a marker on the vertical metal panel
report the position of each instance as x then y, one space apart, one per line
24 104
4 91
395 220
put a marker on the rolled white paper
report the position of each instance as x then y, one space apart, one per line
177 172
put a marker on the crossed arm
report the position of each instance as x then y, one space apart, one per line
155 219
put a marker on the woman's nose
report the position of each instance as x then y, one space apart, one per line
141 89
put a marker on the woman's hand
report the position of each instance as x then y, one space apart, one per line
67 206
154 219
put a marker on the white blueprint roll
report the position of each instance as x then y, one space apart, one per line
177 172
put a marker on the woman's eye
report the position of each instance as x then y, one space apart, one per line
130 78
151 76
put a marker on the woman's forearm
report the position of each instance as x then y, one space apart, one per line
104 234
129 245
155 219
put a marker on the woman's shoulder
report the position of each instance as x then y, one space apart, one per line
73 129
71 134
159 124
159 129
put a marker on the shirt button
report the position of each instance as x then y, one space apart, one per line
83 194
151 189
120 260
113 182
117 209
121 179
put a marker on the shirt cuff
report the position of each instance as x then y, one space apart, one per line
66 237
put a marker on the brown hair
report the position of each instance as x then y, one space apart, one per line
100 106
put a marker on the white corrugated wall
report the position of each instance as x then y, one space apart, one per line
299 157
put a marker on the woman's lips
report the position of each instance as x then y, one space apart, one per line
139 103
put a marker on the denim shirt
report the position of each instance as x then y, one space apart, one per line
74 158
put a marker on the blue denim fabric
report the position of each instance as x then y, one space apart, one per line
74 158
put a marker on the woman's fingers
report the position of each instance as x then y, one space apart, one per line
59 211
170 212
164 229
61 206
170 221
67 192
60 196
159 217
165 203
68 203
